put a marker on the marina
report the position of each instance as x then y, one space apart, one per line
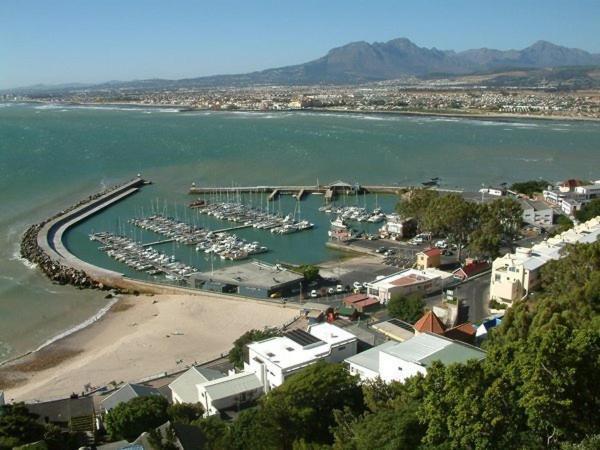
225 245
140 258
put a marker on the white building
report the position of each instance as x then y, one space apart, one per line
214 390
514 276
397 361
536 213
273 360
407 282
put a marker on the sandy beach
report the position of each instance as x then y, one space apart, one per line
138 337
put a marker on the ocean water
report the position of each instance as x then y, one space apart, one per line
52 156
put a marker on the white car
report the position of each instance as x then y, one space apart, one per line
313 294
331 291
357 285
339 288
441 244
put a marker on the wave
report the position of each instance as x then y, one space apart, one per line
16 256
81 326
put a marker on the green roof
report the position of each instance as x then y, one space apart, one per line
454 353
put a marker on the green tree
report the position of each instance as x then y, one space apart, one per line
250 430
184 412
130 419
415 202
486 240
215 431
589 211
530 187
303 407
236 354
309 271
18 426
505 212
408 308
452 216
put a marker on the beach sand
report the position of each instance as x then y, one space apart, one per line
136 339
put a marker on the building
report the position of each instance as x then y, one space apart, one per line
360 302
397 228
273 360
183 388
572 195
483 329
395 329
429 323
470 269
515 275
536 213
126 393
232 392
399 361
253 279
431 258
406 282
73 414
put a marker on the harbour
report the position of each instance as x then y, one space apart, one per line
218 149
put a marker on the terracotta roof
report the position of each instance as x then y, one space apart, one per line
433 252
430 323
464 332
473 269
353 298
408 279
366 302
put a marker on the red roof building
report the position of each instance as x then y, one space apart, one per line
465 332
470 269
430 323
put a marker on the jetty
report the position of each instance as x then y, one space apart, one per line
329 191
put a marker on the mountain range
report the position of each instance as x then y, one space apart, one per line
360 62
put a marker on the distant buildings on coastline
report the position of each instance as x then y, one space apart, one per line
571 195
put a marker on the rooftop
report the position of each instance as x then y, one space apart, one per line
253 274
369 359
407 277
185 385
395 329
232 385
286 352
426 348
430 323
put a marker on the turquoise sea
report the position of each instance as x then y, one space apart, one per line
52 156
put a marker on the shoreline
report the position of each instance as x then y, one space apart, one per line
136 337
508 117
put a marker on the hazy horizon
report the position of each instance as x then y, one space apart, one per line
67 42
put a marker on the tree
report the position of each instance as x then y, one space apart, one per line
302 407
185 412
452 216
507 213
18 426
215 431
529 188
415 202
130 419
408 308
589 211
309 272
236 354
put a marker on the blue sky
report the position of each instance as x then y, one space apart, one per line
56 41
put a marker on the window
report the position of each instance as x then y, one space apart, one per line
343 347
270 355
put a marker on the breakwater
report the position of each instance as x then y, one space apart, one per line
42 242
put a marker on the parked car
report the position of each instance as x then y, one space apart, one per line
441 244
357 285
381 250
314 294
331 291
339 288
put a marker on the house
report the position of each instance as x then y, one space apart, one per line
429 258
183 388
231 392
360 302
275 359
465 332
536 213
406 282
397 228
471 268
185 437
429 323
396 329
399 361
514 276
495 191
73 414
126 393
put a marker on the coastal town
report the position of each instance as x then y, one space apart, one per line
406 297
419 97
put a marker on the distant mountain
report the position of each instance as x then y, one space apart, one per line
360 62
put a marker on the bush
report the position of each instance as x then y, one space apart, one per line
408 308
130 419
236 354
185 412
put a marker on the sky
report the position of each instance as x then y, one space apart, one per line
89 41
